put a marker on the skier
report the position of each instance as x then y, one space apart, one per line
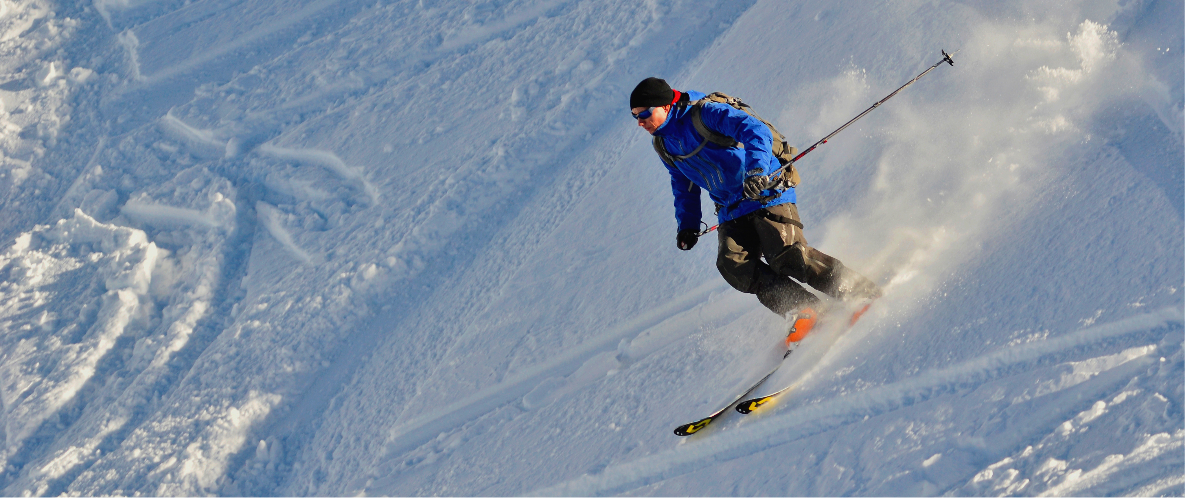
758 219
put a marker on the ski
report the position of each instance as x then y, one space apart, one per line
750 405
694 427
802 323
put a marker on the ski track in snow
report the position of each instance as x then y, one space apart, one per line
575 368
147 351
790 424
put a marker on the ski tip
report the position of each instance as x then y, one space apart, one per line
859 312
692 428
750 405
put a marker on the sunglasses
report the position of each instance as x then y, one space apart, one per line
643 115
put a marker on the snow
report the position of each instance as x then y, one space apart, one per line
399 247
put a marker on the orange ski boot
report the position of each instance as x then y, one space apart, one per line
801 323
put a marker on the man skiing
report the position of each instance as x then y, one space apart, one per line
756 210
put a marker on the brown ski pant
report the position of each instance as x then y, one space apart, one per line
768 233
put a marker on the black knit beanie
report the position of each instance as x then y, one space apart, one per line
651 92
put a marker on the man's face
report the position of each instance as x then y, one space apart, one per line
655 120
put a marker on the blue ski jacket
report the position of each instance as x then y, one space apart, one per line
719 170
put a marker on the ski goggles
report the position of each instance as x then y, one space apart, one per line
642 115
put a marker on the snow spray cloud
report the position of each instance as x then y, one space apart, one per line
962 158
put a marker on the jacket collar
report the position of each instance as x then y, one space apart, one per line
678 110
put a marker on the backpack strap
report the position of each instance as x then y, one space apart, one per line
657 143
783 152
709 134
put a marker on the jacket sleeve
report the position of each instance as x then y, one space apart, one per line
687 200
748 130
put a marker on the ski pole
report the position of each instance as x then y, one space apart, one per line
946 58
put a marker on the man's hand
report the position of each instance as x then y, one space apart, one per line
754 185
686 238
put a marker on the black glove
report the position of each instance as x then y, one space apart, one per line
754 185
686 238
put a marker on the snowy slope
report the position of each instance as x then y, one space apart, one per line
295 247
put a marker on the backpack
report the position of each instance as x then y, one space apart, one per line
783 152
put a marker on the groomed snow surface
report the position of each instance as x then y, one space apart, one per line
417 247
